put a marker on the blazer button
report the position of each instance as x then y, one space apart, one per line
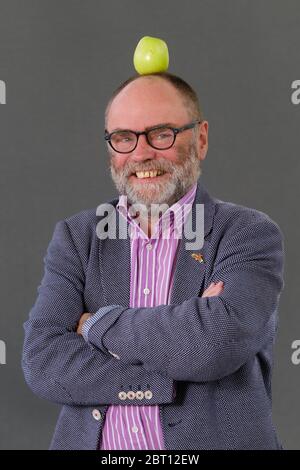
139 395
130 395
96 415
148 394
122 395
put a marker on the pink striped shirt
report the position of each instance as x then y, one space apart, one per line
153 263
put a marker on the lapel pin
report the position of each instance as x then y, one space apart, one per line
198 257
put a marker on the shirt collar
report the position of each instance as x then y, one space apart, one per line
171 221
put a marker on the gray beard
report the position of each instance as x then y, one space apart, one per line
181 178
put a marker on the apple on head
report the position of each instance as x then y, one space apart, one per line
151 56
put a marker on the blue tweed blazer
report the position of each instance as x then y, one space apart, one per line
215 351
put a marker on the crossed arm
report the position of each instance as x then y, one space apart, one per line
204 338
215 288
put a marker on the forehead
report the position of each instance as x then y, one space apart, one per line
145 103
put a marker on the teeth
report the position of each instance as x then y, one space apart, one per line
148 174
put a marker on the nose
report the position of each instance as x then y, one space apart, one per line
143 150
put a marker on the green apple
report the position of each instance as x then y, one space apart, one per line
151 56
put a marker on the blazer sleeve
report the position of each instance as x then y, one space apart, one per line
58 364
206 339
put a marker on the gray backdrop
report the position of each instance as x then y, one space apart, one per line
60 60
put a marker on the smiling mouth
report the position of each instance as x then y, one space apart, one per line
148 174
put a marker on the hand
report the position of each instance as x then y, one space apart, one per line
214 289
83 318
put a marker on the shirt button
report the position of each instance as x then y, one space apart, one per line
139 395
122 395
149 246
146 291
134 429
96 415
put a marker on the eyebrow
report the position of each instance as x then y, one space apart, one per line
157 126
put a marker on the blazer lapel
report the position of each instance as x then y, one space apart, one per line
114 259
190 267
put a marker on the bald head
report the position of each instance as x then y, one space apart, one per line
163 81
147 102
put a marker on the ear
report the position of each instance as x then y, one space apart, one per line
202 140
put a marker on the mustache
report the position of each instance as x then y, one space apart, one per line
163 166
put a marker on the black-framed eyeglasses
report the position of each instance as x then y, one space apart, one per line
159 137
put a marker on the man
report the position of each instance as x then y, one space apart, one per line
145 343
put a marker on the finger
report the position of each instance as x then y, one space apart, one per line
210 286
213 290
212 294
213 284
218 288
